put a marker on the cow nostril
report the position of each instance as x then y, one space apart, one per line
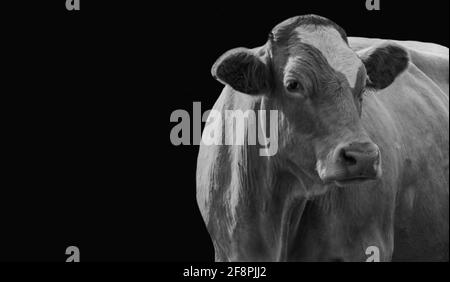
348 159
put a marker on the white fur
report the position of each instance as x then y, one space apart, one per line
334 49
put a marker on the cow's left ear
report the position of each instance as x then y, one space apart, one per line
384 63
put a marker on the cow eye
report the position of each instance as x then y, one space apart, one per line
293 85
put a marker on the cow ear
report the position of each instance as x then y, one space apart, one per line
384 63
243 70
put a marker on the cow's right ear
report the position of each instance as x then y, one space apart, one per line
243 70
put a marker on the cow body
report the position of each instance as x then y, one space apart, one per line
257 209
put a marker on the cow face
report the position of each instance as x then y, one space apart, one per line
308 72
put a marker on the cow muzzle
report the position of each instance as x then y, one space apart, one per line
351 163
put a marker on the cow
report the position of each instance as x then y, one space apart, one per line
363 143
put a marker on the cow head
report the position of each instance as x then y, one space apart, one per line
307 71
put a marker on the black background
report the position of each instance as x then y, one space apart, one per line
87 159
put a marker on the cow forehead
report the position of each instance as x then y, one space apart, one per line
338 54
